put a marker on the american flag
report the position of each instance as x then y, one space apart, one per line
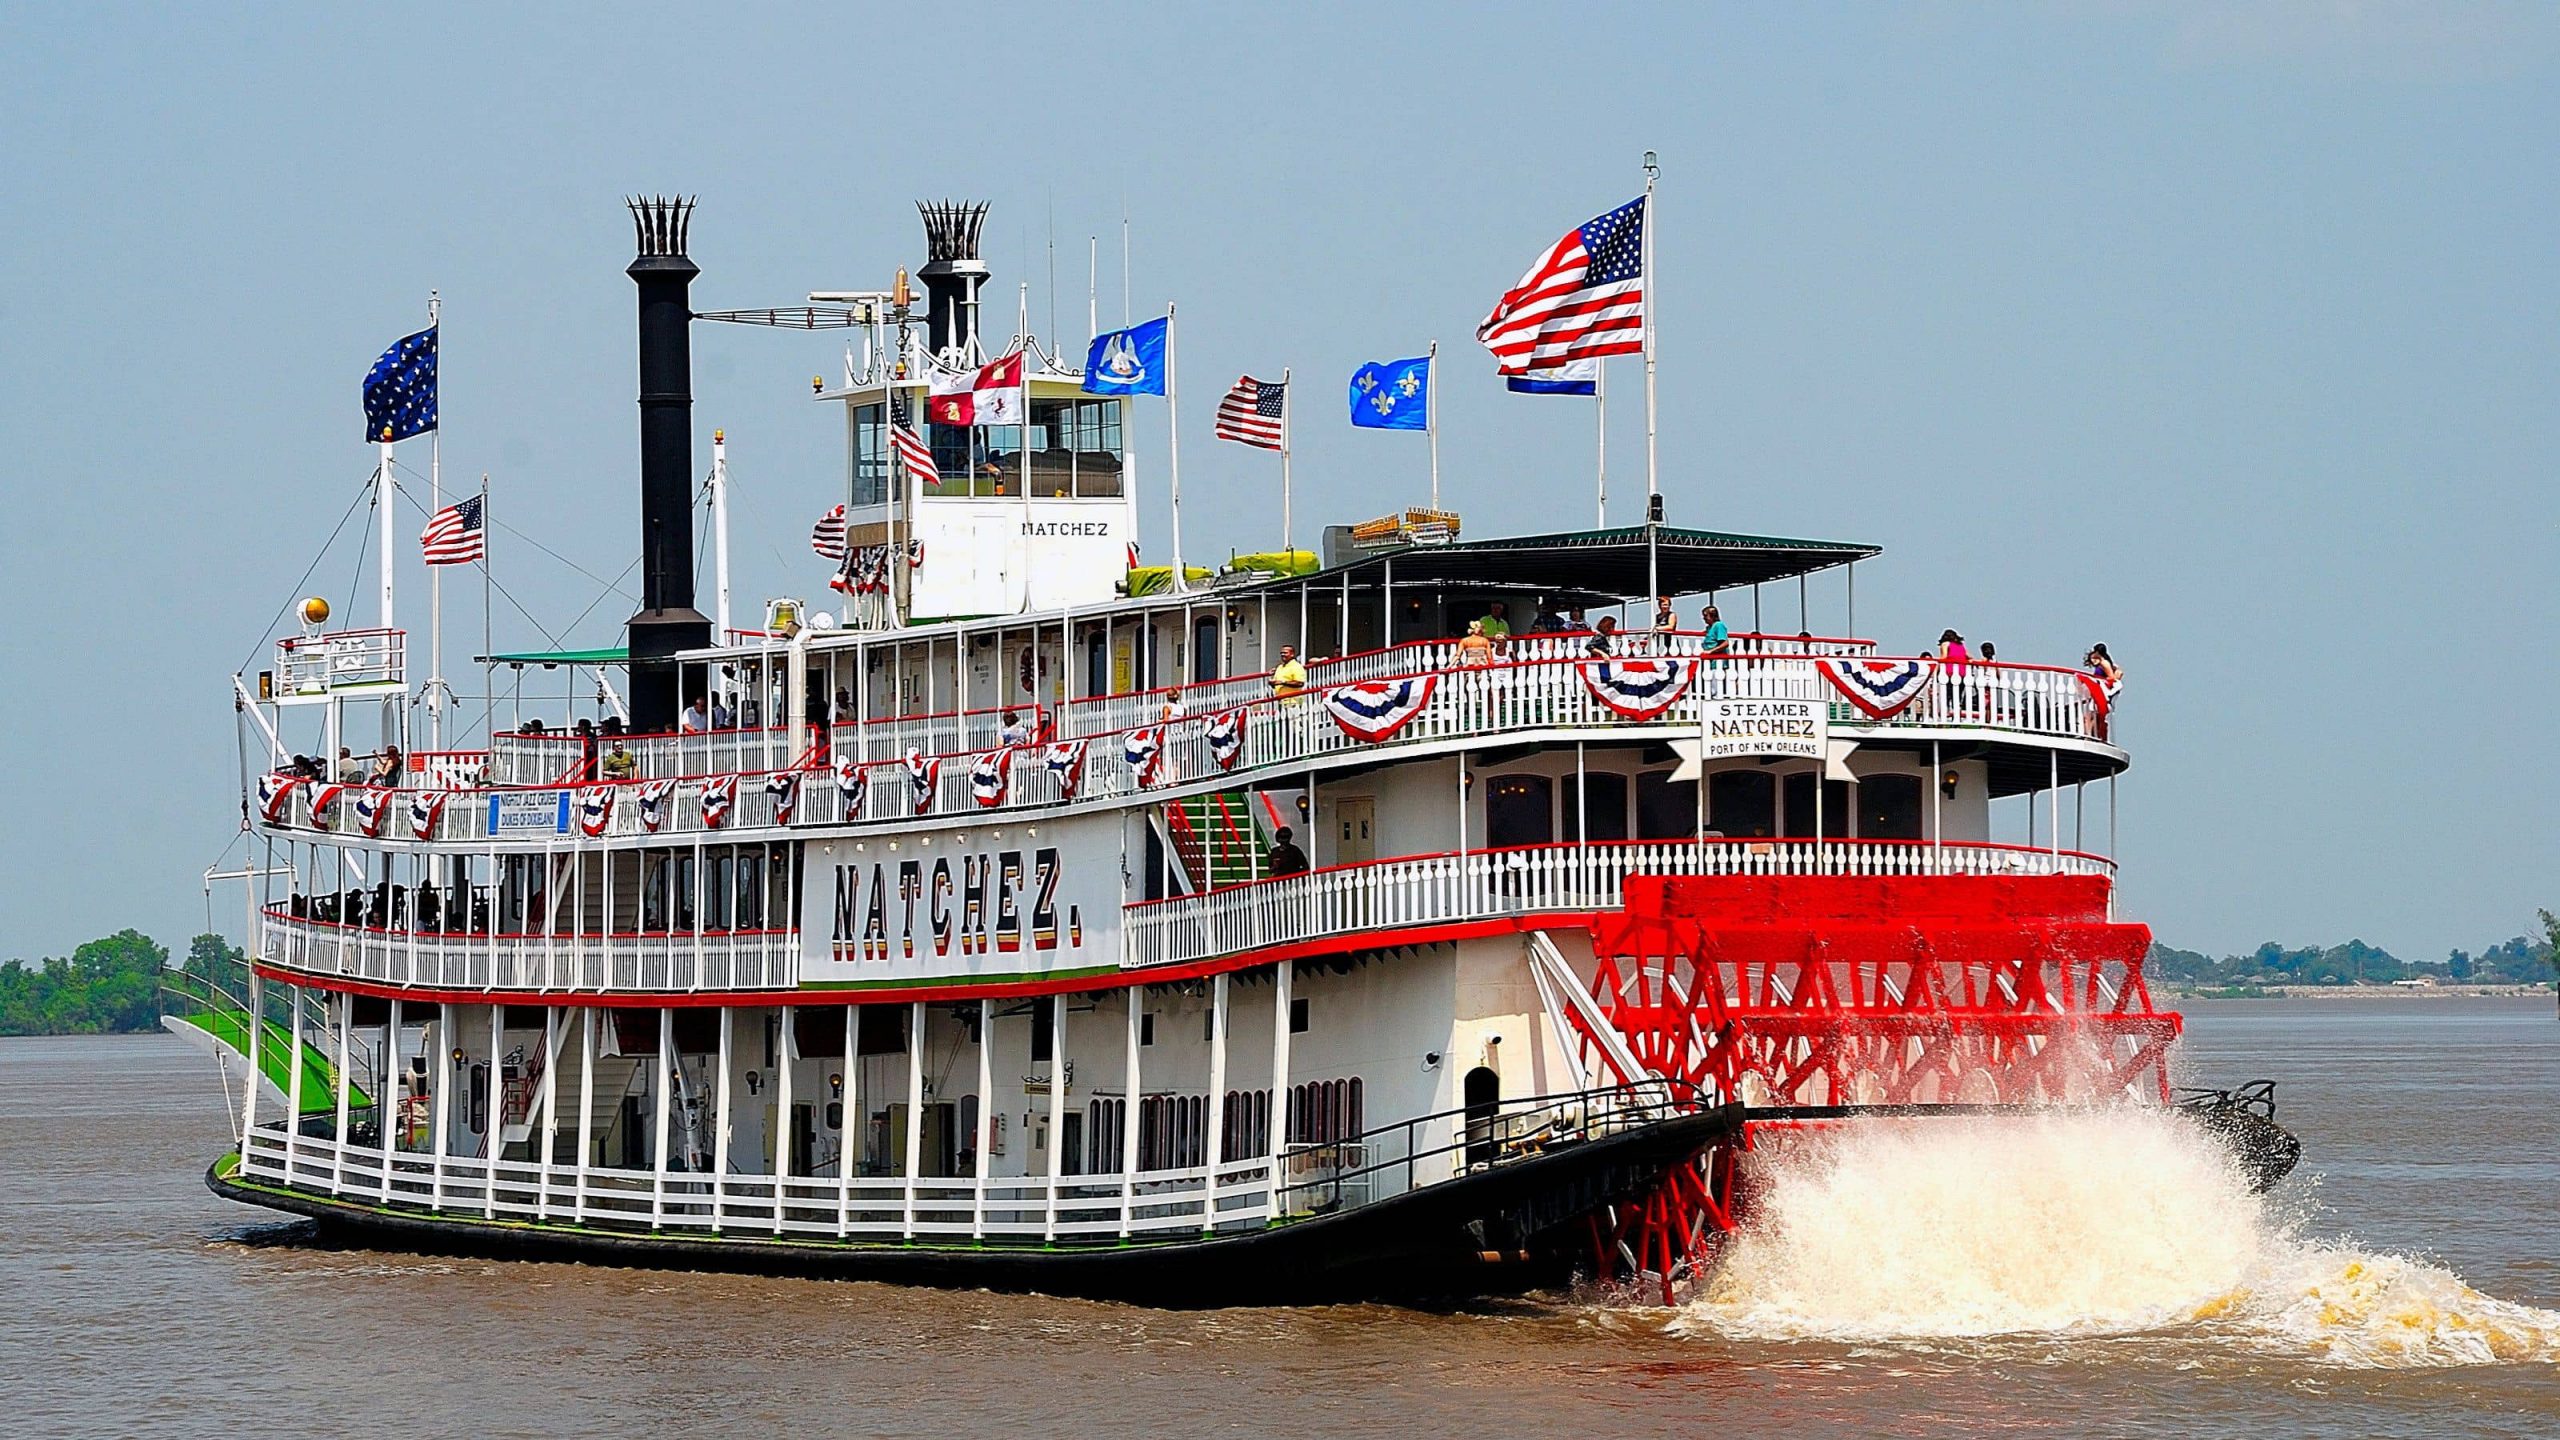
827 536
1255 412
456 535
1582 300
913 454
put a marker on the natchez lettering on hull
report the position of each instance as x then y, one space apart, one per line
976 909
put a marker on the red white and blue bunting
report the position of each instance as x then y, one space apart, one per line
1226 737
371 807
275 795
1144 750
653 803
924 777
1880 688
1637 689
324 803
853 782
784 787
718 794
426 807
595 809
990 777
1375 709
1065 759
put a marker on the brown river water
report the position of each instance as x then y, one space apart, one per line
2063 1278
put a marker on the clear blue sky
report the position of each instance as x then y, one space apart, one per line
2225 334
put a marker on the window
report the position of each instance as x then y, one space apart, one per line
1297 1017
1324 1111
870 456
1889 807
882 1030
1519 810
1245 1123
1666 809
1604 796
1800 809
1105 1119
1743 804
1146 1029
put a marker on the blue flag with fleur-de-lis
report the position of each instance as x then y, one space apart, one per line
1392 394
400 390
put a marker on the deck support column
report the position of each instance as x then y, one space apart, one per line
1217 1106
666 1084
346 1083
1277 1140
1129 1126
442 1120
1937 814
849 1127
586 1106
387 1106
1057 1109
986 1115
292 1082
551 1038
779 1134
912 1161
720 1128
257 1028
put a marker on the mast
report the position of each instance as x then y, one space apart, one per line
435 573
1652 475
720 535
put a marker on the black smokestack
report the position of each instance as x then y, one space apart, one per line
952 272
667 622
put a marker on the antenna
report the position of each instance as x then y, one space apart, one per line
1092 289
1053 267
1124 259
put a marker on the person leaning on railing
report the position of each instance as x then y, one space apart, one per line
619 763
1289 678
1284 857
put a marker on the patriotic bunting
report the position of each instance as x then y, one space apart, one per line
718 794
1375 709
1066 761
324 803
371 807
1226 737
853 782
275 795
991 777
924 777
652 797
426 807
784 787
1144 750
1637 689
595 809
827 536
1881 688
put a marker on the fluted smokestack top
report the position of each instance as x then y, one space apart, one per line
951 228
659 223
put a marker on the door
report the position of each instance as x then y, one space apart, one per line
1355 830
1484 1100
1206 651
804 1139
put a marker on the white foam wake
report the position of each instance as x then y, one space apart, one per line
2073 1223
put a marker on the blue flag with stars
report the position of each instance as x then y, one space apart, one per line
400 392
1392 394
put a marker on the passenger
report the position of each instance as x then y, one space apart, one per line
1718 640
1289 678
1174 709
306 767
1604 634
620 763
722 717
351 770
1951 652
533 726
1496 622
1574 624
1990 653
612 725
1017 731
1475 648
386 771
586 732
844 706
692 721
1285 858
1663 618
2102 668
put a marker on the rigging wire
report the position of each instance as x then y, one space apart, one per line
364 547
287 607
491 519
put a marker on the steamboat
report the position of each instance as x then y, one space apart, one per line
1038 921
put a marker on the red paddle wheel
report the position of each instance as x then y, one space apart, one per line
1855 991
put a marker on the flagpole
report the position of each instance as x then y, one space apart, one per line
383 492
1173 445
435 573
1022 428
1600 407
1431 417
1652 474
488 648
1288 536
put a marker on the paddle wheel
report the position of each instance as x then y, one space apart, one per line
1857 991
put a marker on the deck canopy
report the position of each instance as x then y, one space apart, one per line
1614 563
610 655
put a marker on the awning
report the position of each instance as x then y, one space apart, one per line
1615 562
612 655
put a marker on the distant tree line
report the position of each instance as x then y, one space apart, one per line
109 986
2519 961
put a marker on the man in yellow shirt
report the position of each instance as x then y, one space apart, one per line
1289 680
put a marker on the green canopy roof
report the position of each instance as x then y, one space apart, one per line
611 655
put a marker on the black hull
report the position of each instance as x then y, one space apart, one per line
1499 1231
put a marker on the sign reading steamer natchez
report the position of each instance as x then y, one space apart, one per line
980 907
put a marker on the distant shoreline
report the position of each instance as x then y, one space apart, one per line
2362 992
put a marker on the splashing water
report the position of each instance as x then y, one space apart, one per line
2080 1223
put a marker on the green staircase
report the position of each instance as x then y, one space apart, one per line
217 1016
1219 838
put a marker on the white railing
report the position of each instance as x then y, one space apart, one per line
757 960
341 659
1428 890
1038 1208
1476 705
